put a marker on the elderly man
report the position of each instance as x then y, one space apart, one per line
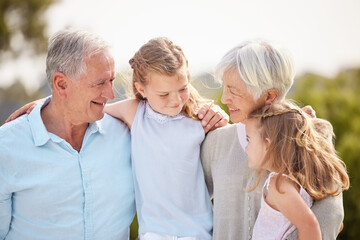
65 169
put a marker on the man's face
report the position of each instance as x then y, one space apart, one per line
237 98
88 95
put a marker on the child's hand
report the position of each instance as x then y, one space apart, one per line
341 227
212 117
309 111
27 108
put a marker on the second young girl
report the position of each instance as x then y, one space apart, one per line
172 200
299 153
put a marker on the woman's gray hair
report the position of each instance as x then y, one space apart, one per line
261 65
68 49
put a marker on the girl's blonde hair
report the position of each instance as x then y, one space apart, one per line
162 56
301 147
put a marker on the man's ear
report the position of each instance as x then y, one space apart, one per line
60 83
271 96
140 88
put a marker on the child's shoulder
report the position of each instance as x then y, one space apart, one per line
280 189
281 183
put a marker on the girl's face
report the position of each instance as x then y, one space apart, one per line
166 94
257 146
237 98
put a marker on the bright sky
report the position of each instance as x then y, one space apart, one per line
323 35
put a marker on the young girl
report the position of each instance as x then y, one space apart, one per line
303 164
171 196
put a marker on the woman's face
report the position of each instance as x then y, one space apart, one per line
237 98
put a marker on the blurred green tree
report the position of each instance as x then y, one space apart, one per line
22 26
338 100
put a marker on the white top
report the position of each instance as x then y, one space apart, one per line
272 224
170 191
241 132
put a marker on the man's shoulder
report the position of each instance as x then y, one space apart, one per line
15 126
14 134
113 124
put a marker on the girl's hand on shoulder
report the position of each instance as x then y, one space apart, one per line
309 111
27 108
212 116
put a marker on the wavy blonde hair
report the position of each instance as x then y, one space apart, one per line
162 56
301 147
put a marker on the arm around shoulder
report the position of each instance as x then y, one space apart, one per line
124 110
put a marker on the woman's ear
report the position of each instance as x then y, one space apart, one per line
60 83
271 96
140 88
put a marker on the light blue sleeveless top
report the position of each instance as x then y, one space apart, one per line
170 191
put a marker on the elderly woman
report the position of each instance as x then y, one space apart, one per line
253 74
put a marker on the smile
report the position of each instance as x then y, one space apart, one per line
102 104
175 106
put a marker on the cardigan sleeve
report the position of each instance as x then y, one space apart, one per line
207 156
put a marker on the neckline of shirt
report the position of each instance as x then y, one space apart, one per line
160 118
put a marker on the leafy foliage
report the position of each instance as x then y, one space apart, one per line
338 101
23 19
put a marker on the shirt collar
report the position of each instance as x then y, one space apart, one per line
96 127
38 129
39 132
161 118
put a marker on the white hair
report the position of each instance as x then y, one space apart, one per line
261 66
68 49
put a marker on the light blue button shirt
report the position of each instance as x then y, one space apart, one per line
171 195
48 190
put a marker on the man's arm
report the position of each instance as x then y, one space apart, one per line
5 202
5 214
330 214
